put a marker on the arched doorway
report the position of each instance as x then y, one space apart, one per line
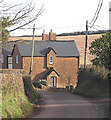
53 81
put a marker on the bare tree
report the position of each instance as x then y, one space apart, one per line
19 15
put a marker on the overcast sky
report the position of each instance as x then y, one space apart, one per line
67 15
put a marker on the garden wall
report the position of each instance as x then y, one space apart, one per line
12 80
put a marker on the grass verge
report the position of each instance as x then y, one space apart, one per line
19 104
15 105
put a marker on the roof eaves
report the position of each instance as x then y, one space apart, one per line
49 72
50 48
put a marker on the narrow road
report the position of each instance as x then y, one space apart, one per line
67 105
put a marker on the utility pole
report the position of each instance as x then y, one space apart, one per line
86 44
31 65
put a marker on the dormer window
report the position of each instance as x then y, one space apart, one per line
51 59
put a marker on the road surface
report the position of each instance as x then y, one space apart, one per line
67 105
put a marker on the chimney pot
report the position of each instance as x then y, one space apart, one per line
52 35
45 36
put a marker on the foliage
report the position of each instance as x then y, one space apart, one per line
5 33
101 48
94 83
30 90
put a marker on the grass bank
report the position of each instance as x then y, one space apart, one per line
15 105
19 104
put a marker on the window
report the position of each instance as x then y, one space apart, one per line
2 57
9 62
51 59
16 59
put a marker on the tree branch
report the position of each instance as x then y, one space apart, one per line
36 16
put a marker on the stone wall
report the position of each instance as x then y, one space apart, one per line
12 80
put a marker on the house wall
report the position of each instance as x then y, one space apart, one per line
66 67
19 64
5 61
39 67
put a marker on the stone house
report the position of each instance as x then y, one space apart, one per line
6 57
55 61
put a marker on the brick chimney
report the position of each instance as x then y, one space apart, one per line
45 36
52 35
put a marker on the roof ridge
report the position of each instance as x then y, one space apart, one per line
54 41
40 41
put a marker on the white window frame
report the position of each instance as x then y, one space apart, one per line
16 59
9 66
51 59
10 62
2 57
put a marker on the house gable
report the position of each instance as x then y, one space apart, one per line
53 72
6 52
4 64
53 54
16 58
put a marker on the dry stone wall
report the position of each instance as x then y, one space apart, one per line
12 80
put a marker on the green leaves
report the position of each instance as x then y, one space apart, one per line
5 33
101 48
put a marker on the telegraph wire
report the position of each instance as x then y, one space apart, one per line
32 28
96 13
102 28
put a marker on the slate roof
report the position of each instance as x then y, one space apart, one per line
8 48
41 48
49 72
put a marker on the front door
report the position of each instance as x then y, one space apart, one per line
53 81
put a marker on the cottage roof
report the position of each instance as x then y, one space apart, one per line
8 48
49 72
41 48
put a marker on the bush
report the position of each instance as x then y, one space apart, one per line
93 81
37 85
30 90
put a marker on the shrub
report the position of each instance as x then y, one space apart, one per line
30 90
93 81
